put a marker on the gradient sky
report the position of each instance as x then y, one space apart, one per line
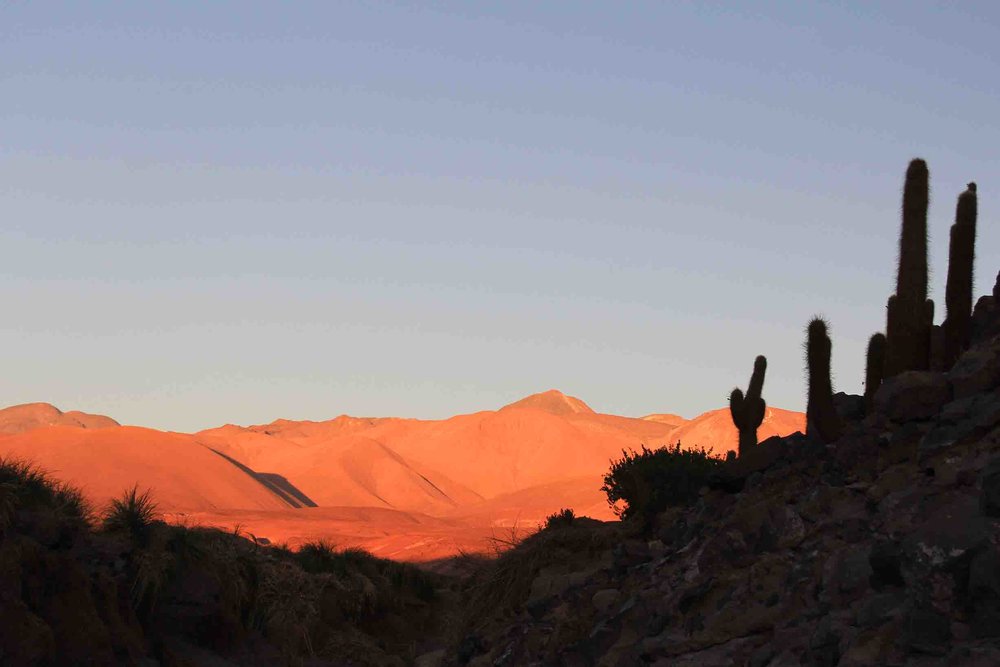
233 212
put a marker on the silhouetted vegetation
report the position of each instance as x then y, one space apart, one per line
821 416
748 411
132 514
214 588
910 312
651 480
27 491
957 327
874 368
563 517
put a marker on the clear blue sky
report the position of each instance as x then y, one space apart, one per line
233 212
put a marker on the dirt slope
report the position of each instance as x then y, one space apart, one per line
182 474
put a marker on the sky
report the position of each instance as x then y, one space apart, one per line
233 212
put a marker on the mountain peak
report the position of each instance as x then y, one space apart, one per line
28 416
552 401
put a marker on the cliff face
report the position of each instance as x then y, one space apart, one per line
882 548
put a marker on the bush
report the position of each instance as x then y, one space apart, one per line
23 486
133 514
649 481
563 517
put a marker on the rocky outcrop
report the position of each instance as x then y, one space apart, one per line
881 548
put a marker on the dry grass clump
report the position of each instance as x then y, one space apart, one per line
26 488
132 514
217 588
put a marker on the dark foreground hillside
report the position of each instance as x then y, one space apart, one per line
125 589
880 548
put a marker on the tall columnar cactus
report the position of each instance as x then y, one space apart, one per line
874 366
821 416
958 295
748 411
907 329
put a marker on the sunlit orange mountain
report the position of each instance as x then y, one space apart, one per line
20 418
404 488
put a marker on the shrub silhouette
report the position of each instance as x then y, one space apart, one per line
132 514
23 486
748 411
651 480
559 519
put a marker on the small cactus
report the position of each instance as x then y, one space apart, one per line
821 416
875 364
907 327
958 295
748 411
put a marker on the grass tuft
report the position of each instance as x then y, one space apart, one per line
132 514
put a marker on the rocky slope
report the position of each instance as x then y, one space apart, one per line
882 548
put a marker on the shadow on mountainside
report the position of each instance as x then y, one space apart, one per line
276 483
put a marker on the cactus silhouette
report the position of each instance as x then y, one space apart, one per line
907 327
821 416
958 294
748 411
875 364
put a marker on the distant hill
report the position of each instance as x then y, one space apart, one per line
715 431
21 418
475 472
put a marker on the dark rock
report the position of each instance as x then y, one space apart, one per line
901 444
984 593
762 656
732 476
631 553
947 535
876 609
912 395
962 421
926 631
824 645
846 576
885 559
469 647
985 318
25 639
976 371
989 498
849 407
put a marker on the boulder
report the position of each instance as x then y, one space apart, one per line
976 371
989 497
605 598
912 395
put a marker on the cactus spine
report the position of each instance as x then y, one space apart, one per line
907 327
875 364
748 411
821 416
958 295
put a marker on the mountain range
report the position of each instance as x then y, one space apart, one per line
407 489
